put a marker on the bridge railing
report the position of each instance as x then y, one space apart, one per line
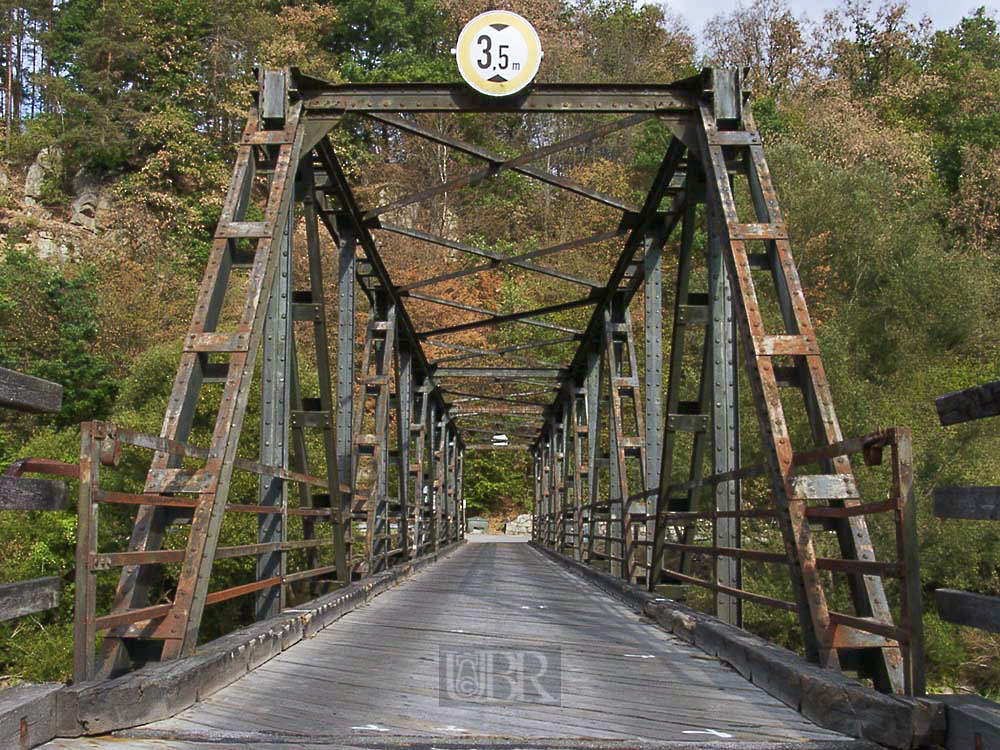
102 439
17 493
968 503
293 558
972 721
111 457
695 557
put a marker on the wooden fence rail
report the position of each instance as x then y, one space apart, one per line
972 721
968 503
29 394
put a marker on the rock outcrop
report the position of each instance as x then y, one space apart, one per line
46 164
520 526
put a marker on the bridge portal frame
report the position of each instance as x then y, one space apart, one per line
714 142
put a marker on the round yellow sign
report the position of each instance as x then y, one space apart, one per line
498 53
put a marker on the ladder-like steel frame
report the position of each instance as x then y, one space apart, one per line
615 456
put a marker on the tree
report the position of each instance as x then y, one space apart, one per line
871 48
629 41
963 109
767 38
390 40
49 325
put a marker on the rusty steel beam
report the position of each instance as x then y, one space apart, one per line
500 373
514 317
474 178
494 257
492 313
474 353
501 261
666 100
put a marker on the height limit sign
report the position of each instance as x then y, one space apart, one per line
498 53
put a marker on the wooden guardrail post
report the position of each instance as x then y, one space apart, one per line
84 634
907 552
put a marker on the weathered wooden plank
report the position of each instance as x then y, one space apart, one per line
162 689
965 608
828 698
580 692
23 493
972 503
27 597
973 722
27 393
194 737
27 715
971 403
621 676
306 703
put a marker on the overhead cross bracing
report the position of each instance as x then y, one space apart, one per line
635 447
492 370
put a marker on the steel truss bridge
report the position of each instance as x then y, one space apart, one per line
356 467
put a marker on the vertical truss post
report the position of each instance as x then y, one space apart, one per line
275 393
442 484
445 482
618 486
449 483
404 419
563 487
442 507
578 423
555 484
421 496
691 311
544 484
460 491
653 376
310 304
346 454
380 348
725 425
626 443
592 391
454 485
536 470
435 482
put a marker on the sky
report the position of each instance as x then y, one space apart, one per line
943 13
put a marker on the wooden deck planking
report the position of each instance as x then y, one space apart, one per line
583 706
374 674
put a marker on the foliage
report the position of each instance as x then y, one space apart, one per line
882 134
49 324
390 40
496 482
